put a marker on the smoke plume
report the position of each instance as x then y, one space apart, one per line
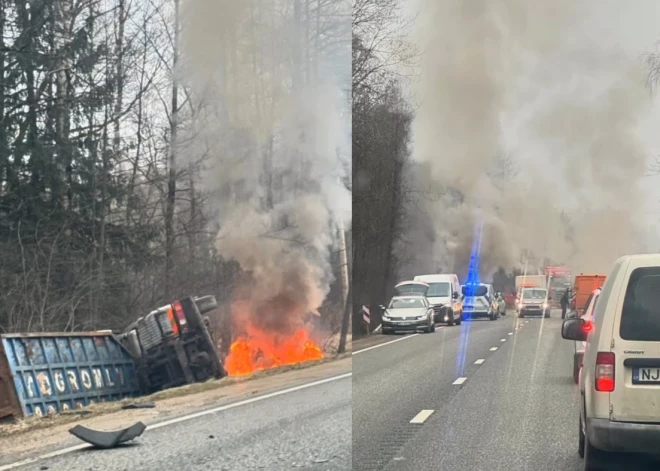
528 123
272 120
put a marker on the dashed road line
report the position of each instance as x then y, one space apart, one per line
493 349
422 416
510 333
502 340
460 380
479 361
385 343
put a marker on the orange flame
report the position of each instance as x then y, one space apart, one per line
259 350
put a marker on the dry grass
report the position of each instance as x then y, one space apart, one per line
32 423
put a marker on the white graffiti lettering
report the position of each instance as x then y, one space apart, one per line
51 410
29 385
38 412
108 378
86 379
98 378
60 385
120 375
79 405
44 384
65 407
73 381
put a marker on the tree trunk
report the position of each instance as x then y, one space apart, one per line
171 179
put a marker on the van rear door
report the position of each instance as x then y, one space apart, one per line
636 334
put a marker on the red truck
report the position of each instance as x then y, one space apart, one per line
558 279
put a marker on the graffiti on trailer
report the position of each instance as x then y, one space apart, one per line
69 381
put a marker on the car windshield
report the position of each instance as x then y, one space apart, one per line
439 290
407 303
534 294
474 290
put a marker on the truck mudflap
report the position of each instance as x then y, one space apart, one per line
108 439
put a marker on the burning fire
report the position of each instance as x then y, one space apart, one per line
261 351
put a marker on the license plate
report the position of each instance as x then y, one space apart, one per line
646 376
405 323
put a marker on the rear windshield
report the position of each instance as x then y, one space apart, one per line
439 290
640 317
474 290
406 303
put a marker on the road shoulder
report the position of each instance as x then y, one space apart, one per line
20 446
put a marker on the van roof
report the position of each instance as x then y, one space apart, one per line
650 259
436 277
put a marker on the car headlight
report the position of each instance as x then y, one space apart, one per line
386 318
545 305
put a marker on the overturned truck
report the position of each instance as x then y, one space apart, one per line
173 345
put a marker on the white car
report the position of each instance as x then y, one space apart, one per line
580 346
620 378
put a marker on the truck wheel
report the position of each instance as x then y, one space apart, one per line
450 317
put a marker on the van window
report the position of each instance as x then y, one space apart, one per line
640 316
474 290
439 290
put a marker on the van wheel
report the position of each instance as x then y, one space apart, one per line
593 458
450 316
581 440
459 319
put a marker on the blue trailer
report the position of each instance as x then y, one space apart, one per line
46 373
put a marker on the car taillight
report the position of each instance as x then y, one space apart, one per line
605 371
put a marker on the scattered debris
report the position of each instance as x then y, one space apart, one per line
211 436
108 439
144 405
321 460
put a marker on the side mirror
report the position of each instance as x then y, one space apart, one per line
574 329
455 295
382 308
571 315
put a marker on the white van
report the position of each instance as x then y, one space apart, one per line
444 296
620 377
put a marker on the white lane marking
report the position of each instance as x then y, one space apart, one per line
502 340
526 322
460 380
421 417
479 361
177 420
380 345
492 350
510 333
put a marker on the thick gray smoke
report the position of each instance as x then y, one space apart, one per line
276 152
528 120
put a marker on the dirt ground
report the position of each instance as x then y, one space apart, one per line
35 434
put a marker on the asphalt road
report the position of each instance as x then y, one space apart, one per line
307 429
513 408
